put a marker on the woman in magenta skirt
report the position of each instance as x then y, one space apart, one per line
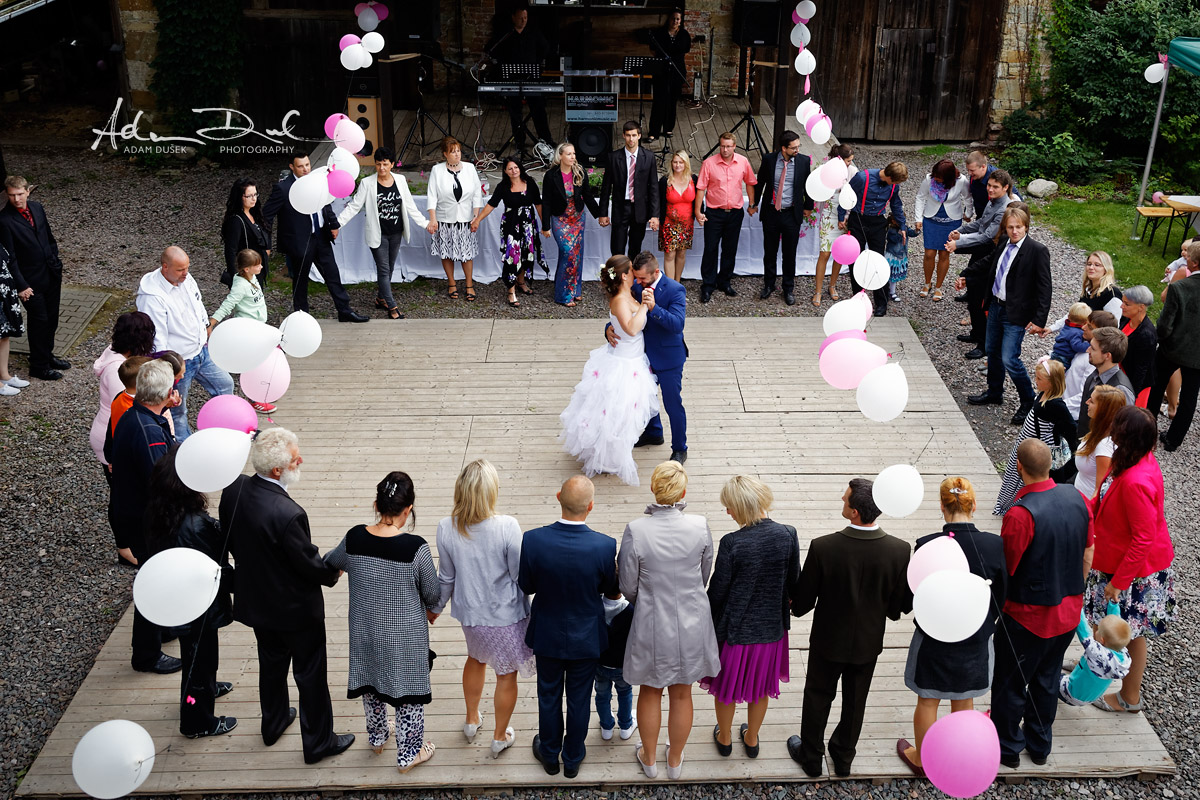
757 567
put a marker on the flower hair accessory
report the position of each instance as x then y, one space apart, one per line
390 488
957 490
612 273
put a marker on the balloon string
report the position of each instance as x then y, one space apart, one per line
932 433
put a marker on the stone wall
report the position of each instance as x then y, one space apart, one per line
1022 56
139 22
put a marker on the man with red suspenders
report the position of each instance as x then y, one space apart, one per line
875 190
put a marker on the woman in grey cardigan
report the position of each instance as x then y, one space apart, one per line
758 568
663 565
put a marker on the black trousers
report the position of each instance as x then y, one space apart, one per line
779 227
1189 387
626 231
722 230
304 651
820 686
979 291
576 677
199 652
146 642
1025 687
668 86
319 253
41 313
537 108
871 234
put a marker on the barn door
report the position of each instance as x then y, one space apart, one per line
843 40
902 85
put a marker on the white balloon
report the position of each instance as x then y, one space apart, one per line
373 42
239 344
300 334
871 270
898 490
307 194
367 59
942 552
834 171
822 129
846 315
113 759
351 57
851 170
805 9
847 199
801 35
806 109
368 20
806 62
343 159
1155 72
816 189
209 460
883 393
950 605
176 586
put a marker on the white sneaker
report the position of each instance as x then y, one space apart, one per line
17 383
606 734
627 732
8 391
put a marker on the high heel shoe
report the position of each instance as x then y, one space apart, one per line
472 728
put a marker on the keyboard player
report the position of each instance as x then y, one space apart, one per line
524 45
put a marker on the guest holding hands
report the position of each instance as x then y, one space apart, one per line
1178 332
244 228
393 587
479 560
1138 328
676 198
664 564
757 570
828 230
454 197
941 209
566 194
520 245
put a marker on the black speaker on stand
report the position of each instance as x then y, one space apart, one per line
592 140
756 23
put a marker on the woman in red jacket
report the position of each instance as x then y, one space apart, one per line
1132 562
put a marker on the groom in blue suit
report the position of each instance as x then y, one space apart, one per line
567 566
665 348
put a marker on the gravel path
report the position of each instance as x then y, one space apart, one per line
65 595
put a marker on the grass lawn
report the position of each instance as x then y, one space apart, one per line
1102 225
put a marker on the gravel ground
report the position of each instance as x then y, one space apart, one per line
57 614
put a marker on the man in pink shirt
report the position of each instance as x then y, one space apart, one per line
720 190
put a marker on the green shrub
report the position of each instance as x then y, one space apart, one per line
1062 157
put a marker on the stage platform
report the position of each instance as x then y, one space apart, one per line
428 396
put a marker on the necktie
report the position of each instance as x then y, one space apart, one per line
632 168
316 223
457 187
779 188
1001 273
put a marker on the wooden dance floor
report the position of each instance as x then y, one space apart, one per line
426 397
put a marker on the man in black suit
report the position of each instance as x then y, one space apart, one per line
307 239
37 270
784 201
1019 274
278 593
634 193
855 579
567 566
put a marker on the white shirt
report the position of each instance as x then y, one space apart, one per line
1006 261
180 319
275 481
864 527
1085 480
631 167
572 521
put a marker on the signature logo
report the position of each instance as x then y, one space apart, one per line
237 125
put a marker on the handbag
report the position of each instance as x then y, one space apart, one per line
1060 450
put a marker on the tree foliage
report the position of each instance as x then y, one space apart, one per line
198 63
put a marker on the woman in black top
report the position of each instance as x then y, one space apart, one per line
757 569
670 42
1048 420
176 517
520 245
958 671
1138 363
566 194
244 229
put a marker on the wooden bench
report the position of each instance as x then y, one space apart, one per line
1155 215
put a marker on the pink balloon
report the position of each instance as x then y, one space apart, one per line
331 123
868 304
348 40
841 335
347 134
381 10
267 382
1157 197
795 18
341 183
961 754
227 411
847 361
845 249
358 9
936 555
833 173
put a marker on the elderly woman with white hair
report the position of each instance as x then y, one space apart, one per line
565 194
479 560
758 567
1138 363
663 566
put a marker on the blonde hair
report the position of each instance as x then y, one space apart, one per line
1057 375
748 499
1115 631
957 495
668 482
475 494
1109 400
687 162
577 176
1108 280
1079 313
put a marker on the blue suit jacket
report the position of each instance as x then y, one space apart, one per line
664 325
567 568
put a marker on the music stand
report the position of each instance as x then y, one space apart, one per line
754 136
419 120
520 74
637 65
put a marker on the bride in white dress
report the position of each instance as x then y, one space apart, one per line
617 395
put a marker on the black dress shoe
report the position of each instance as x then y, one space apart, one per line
974 354
59 363
570 772
550 767
1167 444
45 374
1022 412
341 743
164 666
811 768
223 688
351 316
729 290
1012 762
705 294
766 292
272 739
679 456
880 311
966 337
648 440
789 298
223 725
751 752
723 750
841 770
1039 760
985 399
960 298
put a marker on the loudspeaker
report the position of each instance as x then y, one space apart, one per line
592 140
756 23
363 105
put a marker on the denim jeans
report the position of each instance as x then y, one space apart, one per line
1004 355
385 262
214 380
605 678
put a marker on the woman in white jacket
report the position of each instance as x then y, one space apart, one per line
941 208
455 195
387 200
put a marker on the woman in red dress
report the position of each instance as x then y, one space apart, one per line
677 194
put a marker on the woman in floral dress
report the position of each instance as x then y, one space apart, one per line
677 195
10 324
566 193
828 231
520 245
